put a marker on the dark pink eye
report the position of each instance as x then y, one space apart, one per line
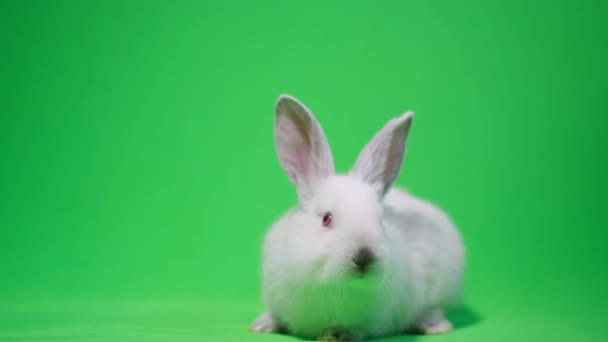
327 218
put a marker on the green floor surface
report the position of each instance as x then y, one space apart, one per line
228 320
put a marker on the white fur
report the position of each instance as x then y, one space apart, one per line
308 284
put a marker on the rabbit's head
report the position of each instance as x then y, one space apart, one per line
338 224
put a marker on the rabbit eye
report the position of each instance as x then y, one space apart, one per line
327 218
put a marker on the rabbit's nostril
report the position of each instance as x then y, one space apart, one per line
363 258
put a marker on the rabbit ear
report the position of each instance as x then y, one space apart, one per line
380 161
301 145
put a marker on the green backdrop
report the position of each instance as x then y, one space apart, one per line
138 172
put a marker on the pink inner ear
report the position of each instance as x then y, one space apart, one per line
295 147
301 162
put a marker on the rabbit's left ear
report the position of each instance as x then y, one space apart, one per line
301 145
380 161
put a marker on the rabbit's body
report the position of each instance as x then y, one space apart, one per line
356 259
423 274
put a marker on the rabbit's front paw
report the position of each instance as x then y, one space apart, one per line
265 323
337 335
434 323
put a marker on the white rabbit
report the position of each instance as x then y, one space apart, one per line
356 259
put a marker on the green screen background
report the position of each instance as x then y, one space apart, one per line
138 172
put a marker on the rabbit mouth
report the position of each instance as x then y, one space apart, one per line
364 272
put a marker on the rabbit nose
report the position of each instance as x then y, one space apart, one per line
363 258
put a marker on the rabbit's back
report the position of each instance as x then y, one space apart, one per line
427 246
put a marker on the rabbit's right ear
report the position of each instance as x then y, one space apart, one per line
301 145
380 161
